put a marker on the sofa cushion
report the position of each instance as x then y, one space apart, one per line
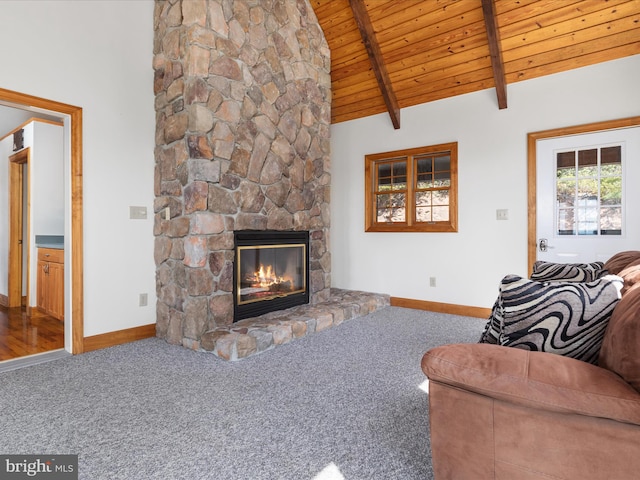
631 275
533 379
621 260
567 272
620 351
565 318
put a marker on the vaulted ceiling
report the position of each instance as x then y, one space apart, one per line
391 54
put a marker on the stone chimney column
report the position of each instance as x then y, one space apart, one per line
243 100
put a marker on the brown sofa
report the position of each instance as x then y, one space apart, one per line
506 413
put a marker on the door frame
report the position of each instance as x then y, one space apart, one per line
532 138
17 245
76 254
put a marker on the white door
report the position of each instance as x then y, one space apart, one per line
588 195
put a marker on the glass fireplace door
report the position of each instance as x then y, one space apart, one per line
267 272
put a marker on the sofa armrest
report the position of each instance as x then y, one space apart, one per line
534 379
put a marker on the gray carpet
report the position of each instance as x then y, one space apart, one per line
340 404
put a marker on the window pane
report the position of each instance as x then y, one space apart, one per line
442 179
383 201
611 221
398 200
566 221
611 191
587 221
400 169
384 170
384 184
565 164
423 214
587 192
425 181
442 163
423 199
611 155
441 197
588 163
566 193
383 214
423 165
440 214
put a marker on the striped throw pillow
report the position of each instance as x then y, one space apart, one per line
565 318
567 272
491 333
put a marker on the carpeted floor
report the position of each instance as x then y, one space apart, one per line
345 403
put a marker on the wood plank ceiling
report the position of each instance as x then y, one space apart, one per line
427 50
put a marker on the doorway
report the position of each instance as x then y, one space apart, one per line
536 142
73 246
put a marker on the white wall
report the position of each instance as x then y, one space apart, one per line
47 179
6 150
46 190
97 55
492 162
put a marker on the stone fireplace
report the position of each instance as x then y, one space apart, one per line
242 99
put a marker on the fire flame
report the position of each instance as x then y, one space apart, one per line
265 282
266 276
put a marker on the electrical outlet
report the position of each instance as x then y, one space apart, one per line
143 299
432 281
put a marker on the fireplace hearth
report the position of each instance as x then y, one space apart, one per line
271 271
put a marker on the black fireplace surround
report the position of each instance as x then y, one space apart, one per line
271 271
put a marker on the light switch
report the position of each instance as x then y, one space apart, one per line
502 214
138 213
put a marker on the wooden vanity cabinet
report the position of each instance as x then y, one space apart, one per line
50 282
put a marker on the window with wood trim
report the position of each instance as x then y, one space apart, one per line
412 190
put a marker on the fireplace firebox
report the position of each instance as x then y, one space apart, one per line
271 271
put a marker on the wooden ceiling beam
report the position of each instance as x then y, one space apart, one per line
493 36
377 62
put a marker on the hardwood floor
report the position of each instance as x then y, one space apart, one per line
21 334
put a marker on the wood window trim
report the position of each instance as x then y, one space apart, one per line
410 225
